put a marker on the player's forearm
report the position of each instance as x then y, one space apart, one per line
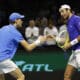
72 43
33 45
30 47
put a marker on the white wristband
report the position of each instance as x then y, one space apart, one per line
37 42
57 39
73 42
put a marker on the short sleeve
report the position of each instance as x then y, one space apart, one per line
18 36
77 23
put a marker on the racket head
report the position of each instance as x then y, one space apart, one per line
63 38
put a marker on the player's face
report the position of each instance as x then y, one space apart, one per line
64 13
19 22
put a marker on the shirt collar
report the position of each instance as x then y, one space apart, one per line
11 25
71 18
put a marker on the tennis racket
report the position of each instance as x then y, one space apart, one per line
62 39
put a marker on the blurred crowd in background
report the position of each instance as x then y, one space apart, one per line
42 17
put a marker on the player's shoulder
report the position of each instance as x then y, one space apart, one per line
76 20
76 17
4 27
12 29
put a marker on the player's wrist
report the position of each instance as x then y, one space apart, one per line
73 42
57 39
37 42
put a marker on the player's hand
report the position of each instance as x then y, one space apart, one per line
42 39
67 46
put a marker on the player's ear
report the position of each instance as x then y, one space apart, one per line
16 20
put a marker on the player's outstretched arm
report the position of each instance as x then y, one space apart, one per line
30 47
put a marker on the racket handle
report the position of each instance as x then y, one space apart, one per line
65 55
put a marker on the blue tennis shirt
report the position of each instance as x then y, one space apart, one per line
73 27
9 39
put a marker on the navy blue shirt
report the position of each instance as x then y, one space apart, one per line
73 27
9 39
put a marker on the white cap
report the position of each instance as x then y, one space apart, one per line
64 6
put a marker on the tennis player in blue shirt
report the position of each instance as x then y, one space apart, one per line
73 28
10 37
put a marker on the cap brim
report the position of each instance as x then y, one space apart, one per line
22 16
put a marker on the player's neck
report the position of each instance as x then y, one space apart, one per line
15 25
70 15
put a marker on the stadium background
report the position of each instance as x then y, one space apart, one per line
43 63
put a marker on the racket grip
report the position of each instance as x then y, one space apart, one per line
65 55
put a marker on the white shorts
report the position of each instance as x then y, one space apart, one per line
7 66
74 59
